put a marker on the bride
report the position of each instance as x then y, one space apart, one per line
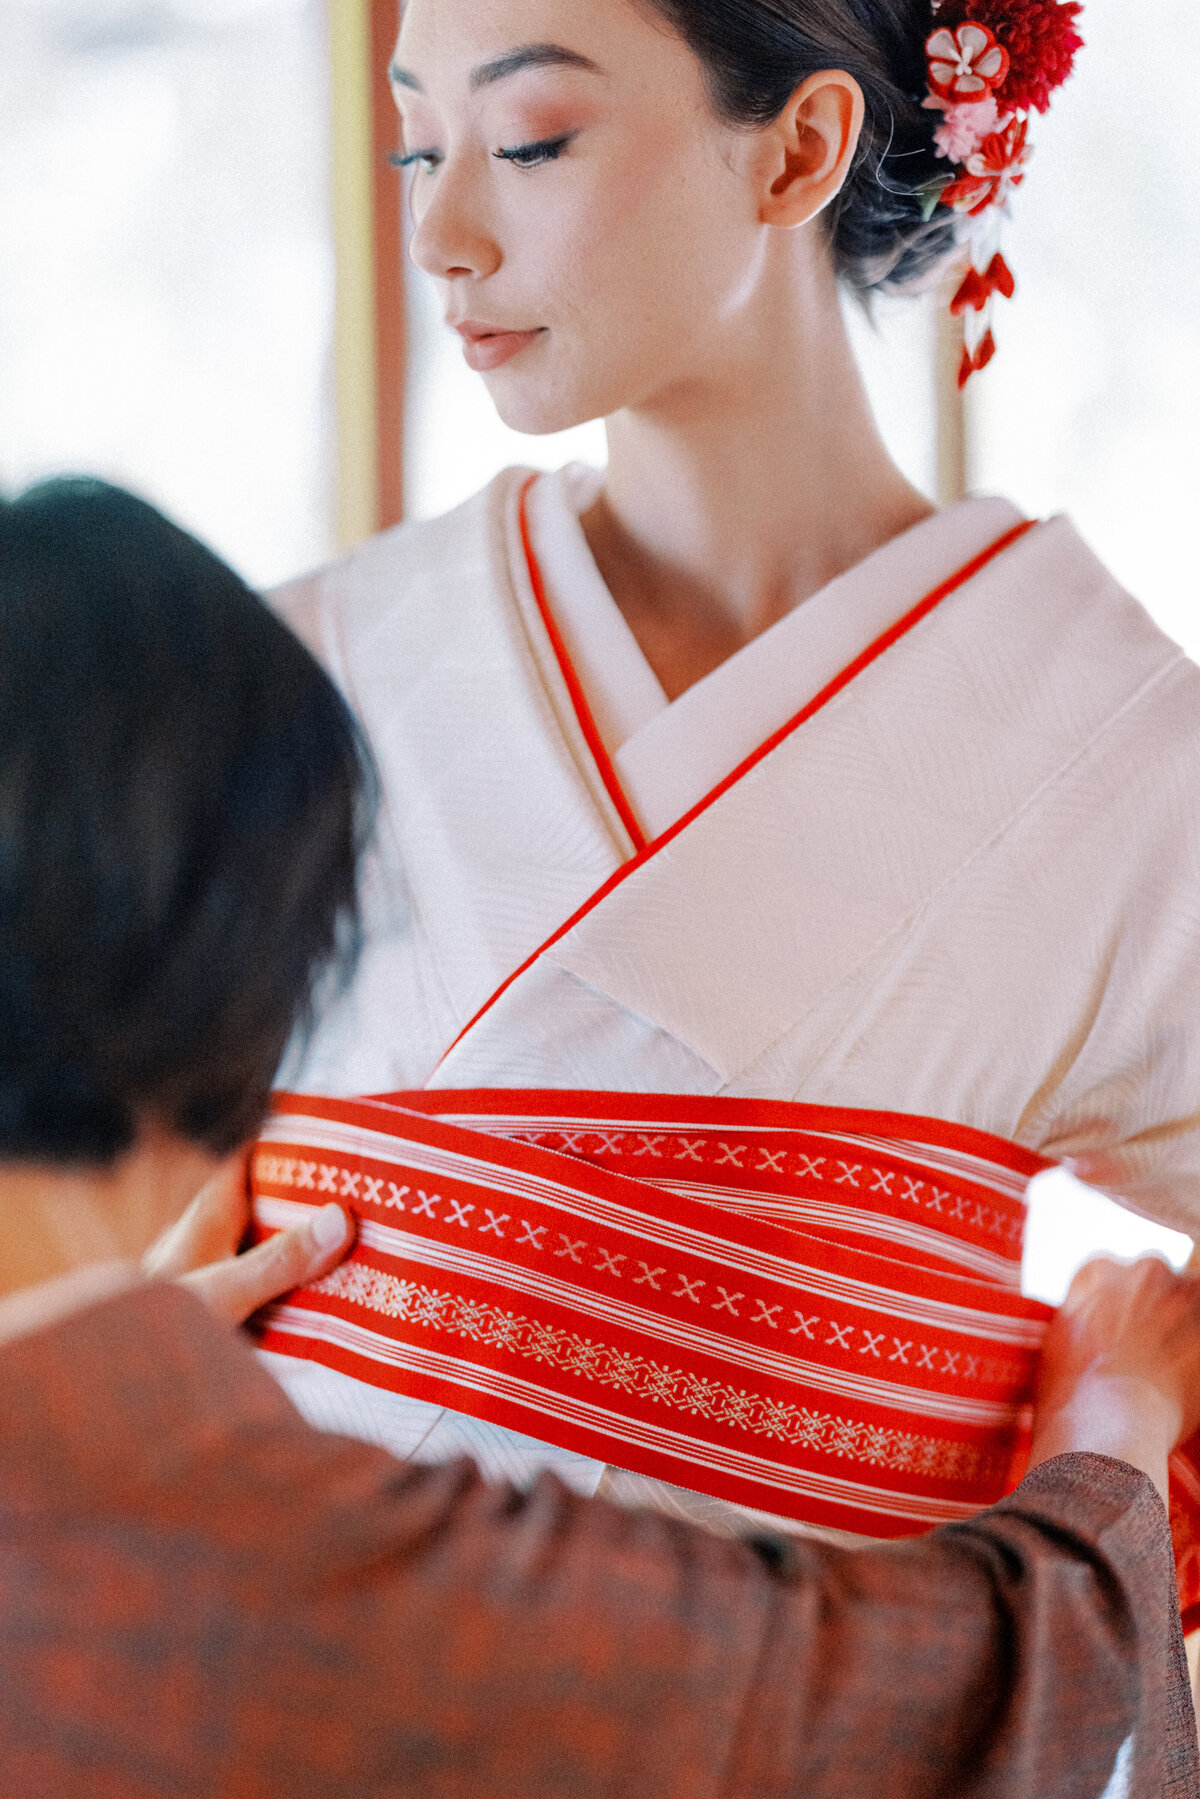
739 770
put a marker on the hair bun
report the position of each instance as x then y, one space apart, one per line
935 154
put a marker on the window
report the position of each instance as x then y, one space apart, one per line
166 264
1093 404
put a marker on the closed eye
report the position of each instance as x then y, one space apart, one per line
427 160
533 156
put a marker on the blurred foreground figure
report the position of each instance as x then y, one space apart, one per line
201 1595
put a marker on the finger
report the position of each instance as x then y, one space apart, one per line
235 1288
1146 1279
1090 1279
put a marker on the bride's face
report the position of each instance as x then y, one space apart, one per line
591 222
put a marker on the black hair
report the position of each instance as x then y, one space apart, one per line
756 53
183 797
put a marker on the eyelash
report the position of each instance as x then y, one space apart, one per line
523 156
534 156
429 157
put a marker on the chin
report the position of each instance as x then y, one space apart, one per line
529 407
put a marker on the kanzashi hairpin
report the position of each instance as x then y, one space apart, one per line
990 64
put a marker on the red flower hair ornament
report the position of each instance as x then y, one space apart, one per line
965 65
990 64
991 173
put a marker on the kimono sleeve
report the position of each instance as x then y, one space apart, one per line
1126 1107
1033 1651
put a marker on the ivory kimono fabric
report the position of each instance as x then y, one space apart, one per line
966 888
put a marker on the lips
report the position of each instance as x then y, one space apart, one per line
487 347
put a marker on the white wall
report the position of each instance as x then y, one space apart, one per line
1093 404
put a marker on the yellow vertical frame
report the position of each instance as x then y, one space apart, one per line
355 334
953 428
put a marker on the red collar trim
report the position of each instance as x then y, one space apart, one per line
853 669
583 711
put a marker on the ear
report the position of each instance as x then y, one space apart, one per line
808 151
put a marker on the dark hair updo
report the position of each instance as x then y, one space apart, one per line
756 53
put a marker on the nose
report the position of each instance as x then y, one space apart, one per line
451 238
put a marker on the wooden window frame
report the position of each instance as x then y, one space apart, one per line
369 239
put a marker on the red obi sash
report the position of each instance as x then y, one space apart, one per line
810 1311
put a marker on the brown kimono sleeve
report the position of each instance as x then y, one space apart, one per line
1021 1656
1024 1653
201 1596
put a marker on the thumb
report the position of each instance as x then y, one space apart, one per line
236 1288
1094 1275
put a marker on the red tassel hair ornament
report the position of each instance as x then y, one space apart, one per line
990 64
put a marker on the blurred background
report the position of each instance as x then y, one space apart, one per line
203 294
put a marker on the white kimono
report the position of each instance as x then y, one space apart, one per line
967 887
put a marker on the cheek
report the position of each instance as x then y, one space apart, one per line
635 265
643 249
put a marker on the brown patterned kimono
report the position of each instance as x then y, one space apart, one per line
200 1596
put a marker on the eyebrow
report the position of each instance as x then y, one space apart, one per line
513 62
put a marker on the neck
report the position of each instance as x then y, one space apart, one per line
729 503
56 1220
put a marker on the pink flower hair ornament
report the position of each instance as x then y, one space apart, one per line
990 63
